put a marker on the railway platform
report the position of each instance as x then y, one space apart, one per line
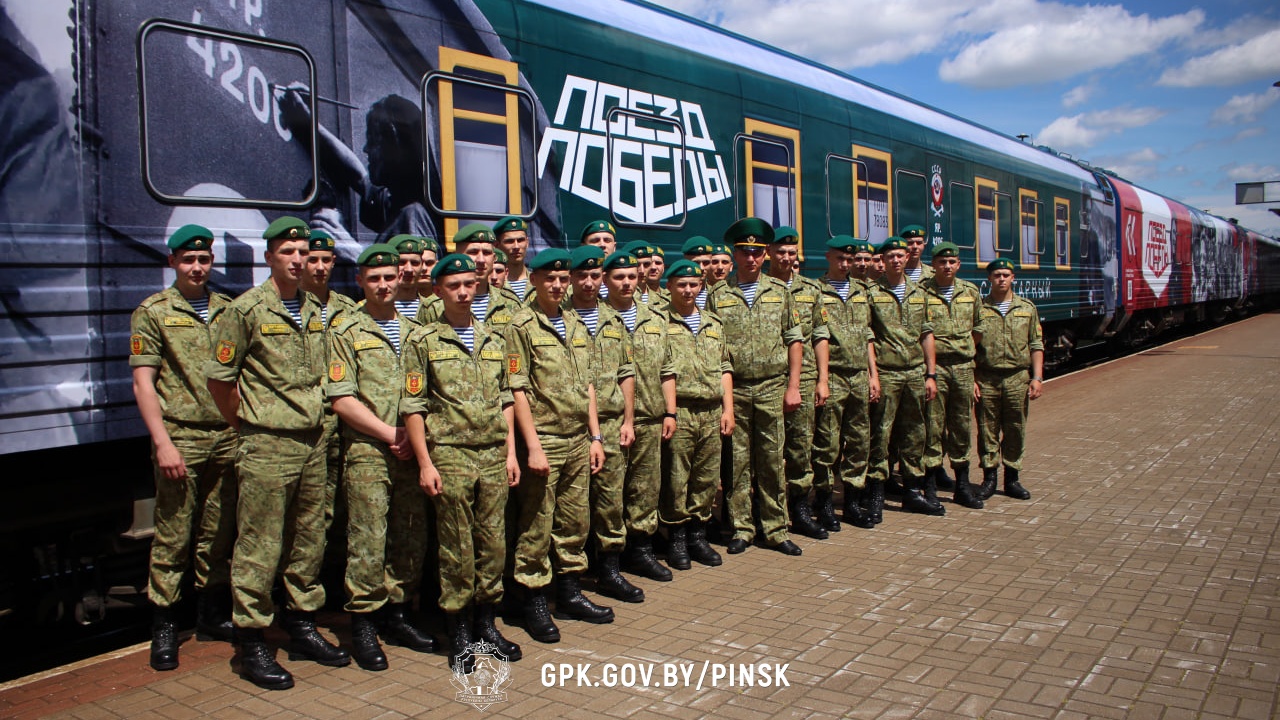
1141 581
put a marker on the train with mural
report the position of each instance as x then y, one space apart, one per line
368 118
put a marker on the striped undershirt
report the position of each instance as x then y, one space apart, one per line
294 307
1004 307
693 322
590 318
900 291
407 308
468 337
629 318
915 274
841 287
701 301
391 328
519 287
557 323
480 306
947 292
201 306
749 292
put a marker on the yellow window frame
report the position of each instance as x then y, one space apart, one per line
994 207
1065 203
450 61
863 153
751 126
1023 253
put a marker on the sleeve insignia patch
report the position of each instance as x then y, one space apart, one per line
226 351
136 345
413 382
513 363
337 371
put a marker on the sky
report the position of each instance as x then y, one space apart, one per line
1175 96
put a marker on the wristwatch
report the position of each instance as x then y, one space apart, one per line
931 376
597 438
1036 379
669 415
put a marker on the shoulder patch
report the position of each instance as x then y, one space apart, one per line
226 351
136 344
513 363
413 382
179 321
337 371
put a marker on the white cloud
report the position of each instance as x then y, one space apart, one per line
1138 166
1255 59
1245 108
1079 95
1250 172
1083 131
1253 132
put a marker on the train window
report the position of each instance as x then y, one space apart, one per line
482 157
1004 223
1029 207
646 188
199 85
987 216
875 194
767 157
912 199
843 174
963 217
1062 233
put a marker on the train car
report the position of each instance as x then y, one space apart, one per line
375 117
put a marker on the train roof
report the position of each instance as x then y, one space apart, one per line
696 36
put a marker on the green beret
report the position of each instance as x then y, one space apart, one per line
429 244
782 235
191 237
845 243
751 231
893 243
721 249
911 231
999 264
452 264
946 249
657 250
288 228
509 223
499 256
321 240
640 249
550 259
475 232
586 257
406 244
696 245
378 255
597 226
683 268
620 260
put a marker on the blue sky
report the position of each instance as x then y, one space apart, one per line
1176 96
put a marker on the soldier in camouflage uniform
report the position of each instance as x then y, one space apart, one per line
1010 372
697 250
697 387
649 258
493 306
498 276
455 386
193 447
762 330
904 357
409 298
719 264
386 513
550 373
601 234
806 297
430 254
915 269
954 309
269 356
842 437
511 235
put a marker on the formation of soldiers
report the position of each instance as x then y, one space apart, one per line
540 422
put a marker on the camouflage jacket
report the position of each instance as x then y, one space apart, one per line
503 305
758 334
610 360
554 374
648 352
899 326
168 334
364 364
849 326
953 322
337 308
806 294
462 393
698 362
1007 341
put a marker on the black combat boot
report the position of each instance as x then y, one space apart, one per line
965 494
571 604
213 614
257 664
678 547
802 518
988 486
826 511
930 490
914 500
485 629
855 510
537 617
457 625
306 643
700 549
164 639
1012 487
944 481
873 496
364 643
398 629
639 559
610 583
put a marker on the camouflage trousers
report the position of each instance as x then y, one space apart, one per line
842 438
553 520
644 478
194 513
386 526
333 467
1002 417
692 456
951 417
797 453
279 516
757 461
899 418
471 523
606 490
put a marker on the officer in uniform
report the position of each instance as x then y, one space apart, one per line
842 436
511 236
1010 372
550 374
491 305
455 386
269 357
806 297
916 269
697 387
762 330
498 277
386 513
954 308
904 356
193 447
